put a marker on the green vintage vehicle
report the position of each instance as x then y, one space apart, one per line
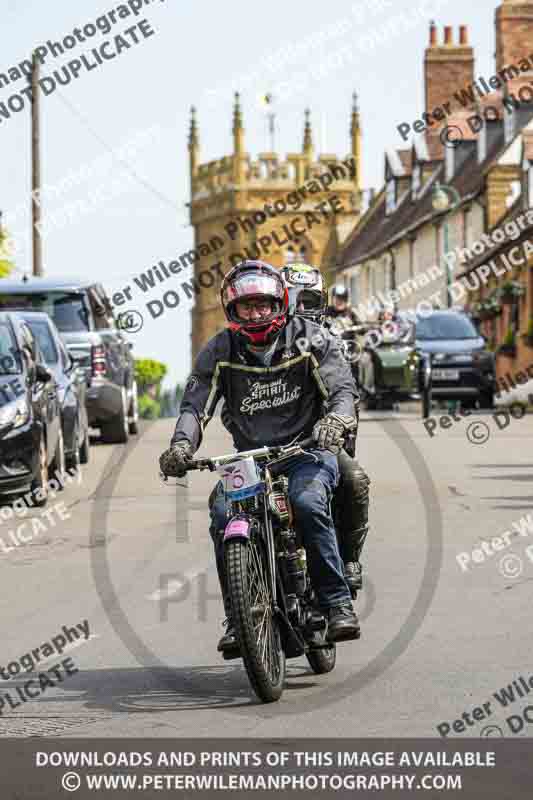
390 367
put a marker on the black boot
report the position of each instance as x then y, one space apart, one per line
228 644
353 573
343 624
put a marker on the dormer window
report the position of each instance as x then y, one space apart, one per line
416 180
390 196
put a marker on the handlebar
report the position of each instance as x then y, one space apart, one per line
276 451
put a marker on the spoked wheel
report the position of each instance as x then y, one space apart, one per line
252 607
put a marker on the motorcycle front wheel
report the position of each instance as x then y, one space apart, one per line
255 625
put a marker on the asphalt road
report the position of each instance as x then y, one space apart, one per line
134 560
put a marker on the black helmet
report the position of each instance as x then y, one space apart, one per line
340 292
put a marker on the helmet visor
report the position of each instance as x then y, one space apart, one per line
304 300
253 285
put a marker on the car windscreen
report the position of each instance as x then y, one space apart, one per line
43 334
445 326
10 362
68 309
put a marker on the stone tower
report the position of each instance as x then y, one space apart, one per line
242 208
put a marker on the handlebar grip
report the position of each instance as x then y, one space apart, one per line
309 442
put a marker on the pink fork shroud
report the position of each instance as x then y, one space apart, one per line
237 528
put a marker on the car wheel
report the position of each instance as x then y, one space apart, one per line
134 412
73 461
85 448
117 430
469 404
58 465
427 402
486 400
40 481
385 403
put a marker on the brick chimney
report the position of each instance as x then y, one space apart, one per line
447 66
514 32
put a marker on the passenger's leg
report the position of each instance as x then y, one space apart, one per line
311 484
353 501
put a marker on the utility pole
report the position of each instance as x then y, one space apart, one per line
36 169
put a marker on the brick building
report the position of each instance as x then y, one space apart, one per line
468 141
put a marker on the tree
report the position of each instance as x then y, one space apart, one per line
6 266
149 373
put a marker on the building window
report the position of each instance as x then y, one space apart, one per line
354 295
373 288
412 257
415 181
508 125
437 244
530 184
449 163
391 195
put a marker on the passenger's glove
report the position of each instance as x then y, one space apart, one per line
330 431
174 460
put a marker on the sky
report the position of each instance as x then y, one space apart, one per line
115 168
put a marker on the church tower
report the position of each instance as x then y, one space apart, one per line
242 208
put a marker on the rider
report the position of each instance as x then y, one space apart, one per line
340 314
308 297
274 395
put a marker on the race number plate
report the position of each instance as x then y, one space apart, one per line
445 374
240 478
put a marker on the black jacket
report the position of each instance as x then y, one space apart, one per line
268 405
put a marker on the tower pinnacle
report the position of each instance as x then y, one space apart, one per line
238 130
308 136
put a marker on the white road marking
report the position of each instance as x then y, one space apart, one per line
174 586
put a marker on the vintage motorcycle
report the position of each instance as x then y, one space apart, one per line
389 366
273 603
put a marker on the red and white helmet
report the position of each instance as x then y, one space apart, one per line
255 279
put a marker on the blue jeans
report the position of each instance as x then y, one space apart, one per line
312 481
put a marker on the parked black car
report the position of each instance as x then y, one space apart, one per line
82 313
462 368
71 384
31 441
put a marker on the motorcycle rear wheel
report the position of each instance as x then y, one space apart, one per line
252 610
